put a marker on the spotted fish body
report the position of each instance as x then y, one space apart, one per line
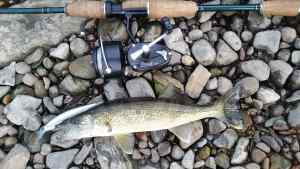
139 116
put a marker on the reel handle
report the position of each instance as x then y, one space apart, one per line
92 9
280 8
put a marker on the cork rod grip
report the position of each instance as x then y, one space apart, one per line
172 8
92 9
281 7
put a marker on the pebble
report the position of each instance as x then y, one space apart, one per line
113 90
280 71
252 166
241 152
246 36
23 111
225 55
257 155
197 81
139 87
17 158
49 105
203 52
294 116
7 130
205 16
284 54
187 60
258 22
79 47
4 90
48 63
224 85
210 163
204 152
22 68
256 68
177 153
35 56
39 89
263 147
46 149
56 140
164 148
233 40
212 84
270 141
74 85
175 41
175 165
267 95
195 34
61 52
83 68
8 75
82 154
158 136
295 57
226 139
61 68
222 160
249 86
188 160
267 40
60 159
294 80
216 126
279 162
288 34
154 156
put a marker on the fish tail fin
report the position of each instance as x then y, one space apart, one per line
231 107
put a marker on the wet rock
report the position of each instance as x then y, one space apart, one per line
7 74
83 68
224 85
288 34
139 87
7 130
177 153
158 136
4 90
113 90
216 126
79 47
241 152
188 160
26 31
233 40
294 80
267 40
195 34
222 160
17 158
257 21
257 155
57 140
226 139
249 86
73 85
203 52
267 95
280 71
295 57
279 162
60 159
212 84
61 52
48 63
294 116
22 68
175 58
225 55
164 148
82 154
175 41
257 68
197 81
23 111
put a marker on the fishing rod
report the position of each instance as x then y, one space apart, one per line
108 58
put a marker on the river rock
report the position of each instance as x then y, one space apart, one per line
4 90
23 111
233 40
224 85
280 71
296 57
56 139
60 159
205 16
294 116
267 40
17 158
279 162
258 21
112 29
294 80
30 31
249 86
289 34
8 74
203 52
240 152
216 126
267 95
139 87
61 52
175 41
83 68
225 55
257 68
79 47
113 90
197 81
188 160
83 153
73 85
226 139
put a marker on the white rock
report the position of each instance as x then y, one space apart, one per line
267 95
61 52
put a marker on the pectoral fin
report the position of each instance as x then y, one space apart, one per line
125 142
188 133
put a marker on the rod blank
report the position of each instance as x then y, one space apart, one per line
45 10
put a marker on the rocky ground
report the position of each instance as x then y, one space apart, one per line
46 68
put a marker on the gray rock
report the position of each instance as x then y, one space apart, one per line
264 147
46 149
197 81
17 158
277 161
60 68
83 68
175 58
187 60
240 152
177 153
49 105
267 95
30 31
210 163
224 85
175 165
294 97
79 47
294 116
205 16
29 79
225 55
203 52
61 52
164 148
226 139
73 85
8 73
35 56
60 159
247 36
7 130
252 166
257 155
296 57
4 90
188 160
294 80
216 126
257 68
222 160
280 71
23 111
39 89
83 153
139 87
112 29
48 63
233 40
288 34
212 84
175 41
22 68
257 21
249 86
154 156
113 90
158 136
270 141
57 140
284 54
195 34
267 40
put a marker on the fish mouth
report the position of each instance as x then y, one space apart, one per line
232 109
